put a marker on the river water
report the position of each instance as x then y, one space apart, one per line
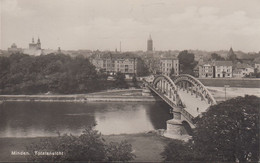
36 119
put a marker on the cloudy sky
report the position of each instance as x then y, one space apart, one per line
102 24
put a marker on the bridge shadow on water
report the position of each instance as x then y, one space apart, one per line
160 113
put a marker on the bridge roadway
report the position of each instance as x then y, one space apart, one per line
192 102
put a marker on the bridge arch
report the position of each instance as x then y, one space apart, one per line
193 85
166 86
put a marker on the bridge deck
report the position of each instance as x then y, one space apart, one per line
192 103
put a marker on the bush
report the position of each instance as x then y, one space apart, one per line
88 147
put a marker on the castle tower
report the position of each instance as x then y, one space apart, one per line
150 44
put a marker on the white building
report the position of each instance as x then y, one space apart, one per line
169 64
223 69
206 70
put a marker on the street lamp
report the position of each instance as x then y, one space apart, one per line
226 86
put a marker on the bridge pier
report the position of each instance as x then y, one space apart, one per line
174 126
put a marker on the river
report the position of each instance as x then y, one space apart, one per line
37 119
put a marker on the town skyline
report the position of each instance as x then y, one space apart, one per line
173 25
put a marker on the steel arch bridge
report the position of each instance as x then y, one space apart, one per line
186 95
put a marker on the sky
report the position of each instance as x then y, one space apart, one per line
102 24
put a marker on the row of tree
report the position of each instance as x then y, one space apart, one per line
56 73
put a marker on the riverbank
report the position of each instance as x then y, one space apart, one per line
232 82
146 146
127 95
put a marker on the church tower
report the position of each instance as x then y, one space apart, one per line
39 43
150 44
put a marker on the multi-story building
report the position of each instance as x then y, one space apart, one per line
150 44
112 63
168 65
223 69
206 70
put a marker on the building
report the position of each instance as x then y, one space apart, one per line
257 67
13 49
169 65
223 69
206 70
35 46
150 44
111 63
242 70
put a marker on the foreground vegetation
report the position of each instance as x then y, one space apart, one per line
89 146
227 132
56 73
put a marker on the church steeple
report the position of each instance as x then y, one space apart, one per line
33 40
39 41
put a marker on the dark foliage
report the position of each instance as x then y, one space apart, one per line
216 57
187 62
227 132
120 80
56 73
88 147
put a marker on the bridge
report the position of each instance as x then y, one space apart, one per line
186 96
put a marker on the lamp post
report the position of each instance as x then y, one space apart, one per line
226 86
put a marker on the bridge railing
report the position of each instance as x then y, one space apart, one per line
186 114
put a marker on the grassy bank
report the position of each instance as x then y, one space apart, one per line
220 82
147 146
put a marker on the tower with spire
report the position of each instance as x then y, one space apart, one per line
231 56
35 46
150 44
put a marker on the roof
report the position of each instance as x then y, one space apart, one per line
243 66
169 58
223 63
108 55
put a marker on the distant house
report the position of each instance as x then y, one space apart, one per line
257 67
242 70
111 63
169 64
223 69
206 70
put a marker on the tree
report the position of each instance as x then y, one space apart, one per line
229 131
187 62
120 80
178 150
119 151
88 147
217 57
172 73
134 80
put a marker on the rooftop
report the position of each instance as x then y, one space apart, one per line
223 63
115 55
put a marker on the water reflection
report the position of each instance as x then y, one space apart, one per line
33 119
